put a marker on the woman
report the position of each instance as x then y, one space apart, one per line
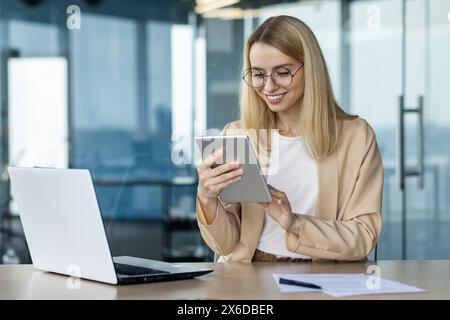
327 187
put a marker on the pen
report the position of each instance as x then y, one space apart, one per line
299 283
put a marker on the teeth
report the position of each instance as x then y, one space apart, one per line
275 97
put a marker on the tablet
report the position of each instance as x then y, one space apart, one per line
253 186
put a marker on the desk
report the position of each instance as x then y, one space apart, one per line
228 281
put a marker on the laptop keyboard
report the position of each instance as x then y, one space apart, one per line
135 271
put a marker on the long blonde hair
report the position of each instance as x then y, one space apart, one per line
319 110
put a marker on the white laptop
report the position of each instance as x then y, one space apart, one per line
65 233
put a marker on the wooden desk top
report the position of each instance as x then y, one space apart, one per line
228 281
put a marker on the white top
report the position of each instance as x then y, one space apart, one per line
292 171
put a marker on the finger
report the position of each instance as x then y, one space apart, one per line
224 177
275 190
274 195
223 168
264 204
282 197
277 193
227 183
283 202
209 160
284 205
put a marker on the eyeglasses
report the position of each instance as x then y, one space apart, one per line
281 77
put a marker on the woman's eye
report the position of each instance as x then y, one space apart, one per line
259 75
283 73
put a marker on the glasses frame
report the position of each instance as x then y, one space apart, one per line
270 75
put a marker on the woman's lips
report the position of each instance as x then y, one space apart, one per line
275 98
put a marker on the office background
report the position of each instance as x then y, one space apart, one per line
122 87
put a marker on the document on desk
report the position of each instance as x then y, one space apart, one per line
341 285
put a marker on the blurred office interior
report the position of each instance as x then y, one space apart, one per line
123 87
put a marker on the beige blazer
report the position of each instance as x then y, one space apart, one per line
347 221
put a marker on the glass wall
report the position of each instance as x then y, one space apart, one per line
130 105
120 89
145 77
400 49
376 84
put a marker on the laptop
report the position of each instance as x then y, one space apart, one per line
65 234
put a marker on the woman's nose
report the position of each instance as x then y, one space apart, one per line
270 85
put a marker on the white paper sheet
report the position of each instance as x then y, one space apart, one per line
341 285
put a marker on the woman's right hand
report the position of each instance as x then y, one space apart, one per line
213 180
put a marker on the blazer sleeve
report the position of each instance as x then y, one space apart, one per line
353 235
223 234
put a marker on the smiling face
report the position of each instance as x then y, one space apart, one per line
267 59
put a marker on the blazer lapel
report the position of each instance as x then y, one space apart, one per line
253 218
327 198
252 213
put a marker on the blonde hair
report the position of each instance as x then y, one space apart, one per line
319 110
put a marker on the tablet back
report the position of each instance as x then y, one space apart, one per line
253 186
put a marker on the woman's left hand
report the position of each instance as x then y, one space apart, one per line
280 208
